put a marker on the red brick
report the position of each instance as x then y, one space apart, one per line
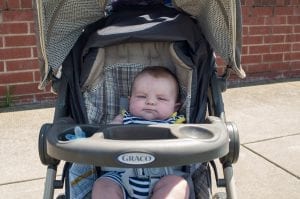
3 5
25 40
13 28
264 2
48 88
274 39
282 29
292 56
295 65
1 66
26 4
276 20
249 59
245 50
257 20
14 53
296 47
245 11
273 57
34 52
263 49
253 40
283 10
262 11
37 76
22 65
292 38
1 42
256 68
281 48
19 15
260 30
293 2
248 2
13 4
9 78
281 66
293 19
245 30
297 29
32 27
297 10
2 91
28 88
280 2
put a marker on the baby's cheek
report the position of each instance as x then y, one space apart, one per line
134 109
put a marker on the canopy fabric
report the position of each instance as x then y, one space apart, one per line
61 22
221 24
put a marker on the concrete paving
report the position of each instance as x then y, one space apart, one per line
267 116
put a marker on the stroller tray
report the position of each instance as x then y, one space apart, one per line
139 145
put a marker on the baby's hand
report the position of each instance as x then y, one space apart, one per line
118 119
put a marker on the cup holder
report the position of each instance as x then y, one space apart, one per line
196 132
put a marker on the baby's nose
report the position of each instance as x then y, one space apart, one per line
150 101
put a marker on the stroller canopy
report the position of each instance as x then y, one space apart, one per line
132 39
61 23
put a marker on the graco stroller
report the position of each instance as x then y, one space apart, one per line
92 59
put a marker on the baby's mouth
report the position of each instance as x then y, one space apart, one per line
149 110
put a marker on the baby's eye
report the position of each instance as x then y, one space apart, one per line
141 96
162 99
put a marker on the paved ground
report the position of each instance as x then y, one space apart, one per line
268 118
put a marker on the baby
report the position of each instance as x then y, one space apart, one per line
154 99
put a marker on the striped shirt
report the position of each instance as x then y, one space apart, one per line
130 119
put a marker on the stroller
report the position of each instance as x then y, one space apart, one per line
91 64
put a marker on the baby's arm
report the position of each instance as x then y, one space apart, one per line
118 119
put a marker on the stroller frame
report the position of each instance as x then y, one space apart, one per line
51 150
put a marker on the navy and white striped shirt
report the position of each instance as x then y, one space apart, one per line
130 119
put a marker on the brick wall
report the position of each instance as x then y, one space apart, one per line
271 39
19 65
271 46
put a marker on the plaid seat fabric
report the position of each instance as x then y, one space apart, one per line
103 101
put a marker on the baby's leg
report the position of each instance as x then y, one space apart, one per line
106 188
171 186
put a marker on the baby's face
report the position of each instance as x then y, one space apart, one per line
153 98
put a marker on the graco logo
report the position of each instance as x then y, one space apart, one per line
136 158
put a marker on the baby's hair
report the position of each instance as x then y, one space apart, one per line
160 71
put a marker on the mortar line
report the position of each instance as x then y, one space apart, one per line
22 181
273 138
270 161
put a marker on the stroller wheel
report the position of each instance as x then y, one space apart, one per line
220 195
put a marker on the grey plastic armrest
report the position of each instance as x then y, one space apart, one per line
141 145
